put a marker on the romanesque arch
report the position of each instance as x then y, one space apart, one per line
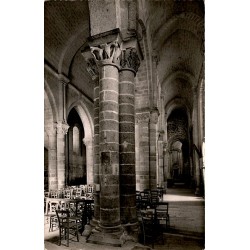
87 139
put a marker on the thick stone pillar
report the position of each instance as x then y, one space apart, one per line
153 141
52 159
94 73
142 170
61 129
130 63
196 143
160 170
106 56
88 142
96 152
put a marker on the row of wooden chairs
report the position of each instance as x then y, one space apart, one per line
148 198
71 224
81 209
72 192
153 216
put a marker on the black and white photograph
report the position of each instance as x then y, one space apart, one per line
124 129
110 137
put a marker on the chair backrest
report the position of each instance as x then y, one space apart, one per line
54 194
154 195
90 188
78 192
62 216
161 212
67 193
46 194
52 207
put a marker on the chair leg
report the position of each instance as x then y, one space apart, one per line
67 236
60 236
50 224
77 233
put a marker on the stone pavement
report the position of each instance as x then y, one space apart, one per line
186 230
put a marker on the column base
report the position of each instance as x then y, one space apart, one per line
104 238
131 232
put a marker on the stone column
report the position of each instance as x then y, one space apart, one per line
196 143
61 129
130 63
160 180
153 141
96 151
107 59
88 142
52 159
94 73
142 170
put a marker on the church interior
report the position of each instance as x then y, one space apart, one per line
124 117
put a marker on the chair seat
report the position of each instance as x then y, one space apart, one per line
67 225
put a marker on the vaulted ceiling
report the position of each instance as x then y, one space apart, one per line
176 31
66 29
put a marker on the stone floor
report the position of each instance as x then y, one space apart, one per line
186 230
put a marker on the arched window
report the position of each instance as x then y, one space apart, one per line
76 140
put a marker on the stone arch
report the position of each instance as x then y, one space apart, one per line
186 21
73 45
87 122
52 102
50 147
85 116
189 77
178 103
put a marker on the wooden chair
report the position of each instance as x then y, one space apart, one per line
138 200
150 233
68 226
67 193
54 194
162 216
53 222
154 197
78 193
145 199
141 231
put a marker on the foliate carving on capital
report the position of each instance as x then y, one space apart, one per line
142 118
92 68
154 116
87 141
130 59
50 129
62 128
107 53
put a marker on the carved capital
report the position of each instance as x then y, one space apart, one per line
161 134
130 59
107 53
154 114
62 127
50 129
87 141
92 68
142 118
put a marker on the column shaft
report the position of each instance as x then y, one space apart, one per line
109 147
196 142
142 170
52 161
96 150
127 146
62 129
